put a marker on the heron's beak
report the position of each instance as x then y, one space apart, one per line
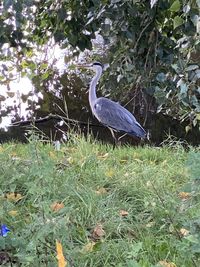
83 66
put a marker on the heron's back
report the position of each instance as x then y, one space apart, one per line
113 115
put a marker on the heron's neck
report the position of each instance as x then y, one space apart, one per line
92 90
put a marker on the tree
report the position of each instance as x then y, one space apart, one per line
151 51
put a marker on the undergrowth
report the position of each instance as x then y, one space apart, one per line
135 207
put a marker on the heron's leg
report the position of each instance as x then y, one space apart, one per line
114 137
122 136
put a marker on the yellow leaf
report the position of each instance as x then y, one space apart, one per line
13 196
101 191
167 264
187 128
198 116
123 213
110 173
70 160
61 259
124 159
13 213
184 231
98 232
138 160
102 156
150 224
56 206
52 155
88 247
184 195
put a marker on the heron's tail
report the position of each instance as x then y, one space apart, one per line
138 131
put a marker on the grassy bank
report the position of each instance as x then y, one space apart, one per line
125 207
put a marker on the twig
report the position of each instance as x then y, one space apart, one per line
57 117
145 64
136 44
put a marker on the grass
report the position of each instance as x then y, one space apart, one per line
106 207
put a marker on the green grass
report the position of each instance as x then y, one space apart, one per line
144 181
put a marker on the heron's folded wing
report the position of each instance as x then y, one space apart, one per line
117 117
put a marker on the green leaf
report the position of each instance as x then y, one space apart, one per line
178 21
175 6
192 239
161 77
7 3
133 263
198 116
2 242
135 249
43 66
45 75
198 3
192 67
184 89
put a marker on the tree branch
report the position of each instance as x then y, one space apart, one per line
56 117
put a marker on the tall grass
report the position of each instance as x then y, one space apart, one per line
107 207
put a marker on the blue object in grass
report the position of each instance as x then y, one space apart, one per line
4 230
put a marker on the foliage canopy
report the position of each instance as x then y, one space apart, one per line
153 48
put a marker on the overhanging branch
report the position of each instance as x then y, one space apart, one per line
55 117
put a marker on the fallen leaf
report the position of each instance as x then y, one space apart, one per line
148 184
110 173
82 162
70 160
13 196
13 154
124 159
138 160
184 195
56 206
88 247
98 232
52 155
61 259
101 191
13 213
184 231
167 264
150 224
123 213
103 156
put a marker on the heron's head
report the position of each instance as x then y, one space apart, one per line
95 66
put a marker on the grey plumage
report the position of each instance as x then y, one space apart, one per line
115 116
111 113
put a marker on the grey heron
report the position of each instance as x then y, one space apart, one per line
110 113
